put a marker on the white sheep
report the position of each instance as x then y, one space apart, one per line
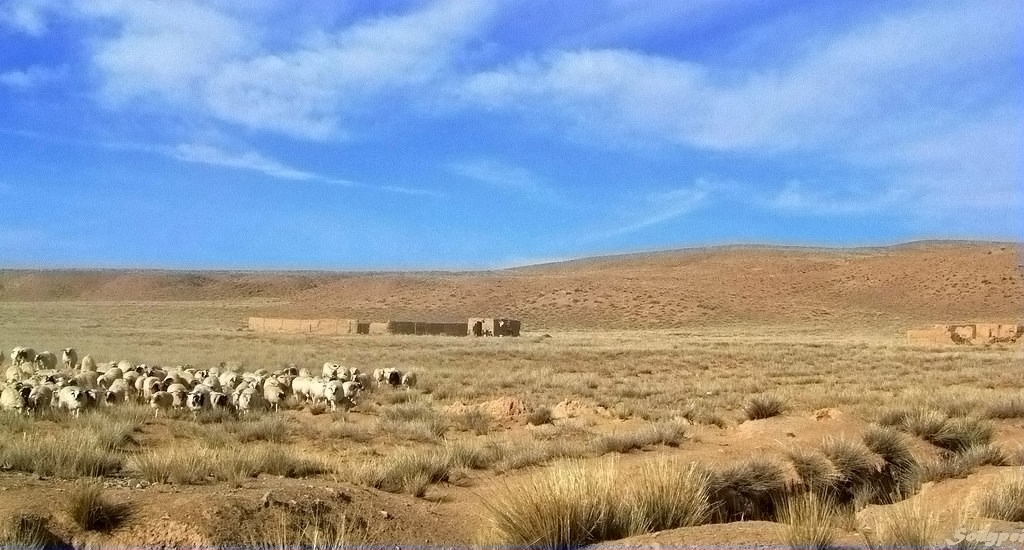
22 354
40 398
161 401
249 399
86 379
219 400
69 358
273 393
330 371
12 398
120 391
301 386
88 364
344 393
45 360
409 379
72 399
178 392
198 399
14 374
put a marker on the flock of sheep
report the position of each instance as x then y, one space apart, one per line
34 382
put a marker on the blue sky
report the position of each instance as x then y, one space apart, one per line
457 134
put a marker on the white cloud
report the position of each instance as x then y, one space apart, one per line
30 77
663 207
801 198
26 16
249 160
505 177
220 64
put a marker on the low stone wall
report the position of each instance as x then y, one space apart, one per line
966 334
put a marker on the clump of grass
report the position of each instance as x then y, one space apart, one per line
70 455
475 420
1005 500
667 494
416 421
270 459
667 433
568 506
572 504
516 455
808 522
315 527
747 490
902 527
764 406
960 434
92 511
1012 407
856 465
899 476
817 474
540 415
472 455
269 428
408 471
344 430
30 532
178 465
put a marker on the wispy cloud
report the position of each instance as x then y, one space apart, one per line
800 198
504 177
661 207
26 16
30 77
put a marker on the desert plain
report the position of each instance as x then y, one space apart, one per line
733 396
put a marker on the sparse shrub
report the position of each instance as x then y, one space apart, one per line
924 423
30 532
764 406
808 522
407 471
903 527
92 511
178 465
568 506
668 494
312 527
268 428
747 490
899 476
1005 500
856 465
960 434
475 420
817 473
472 455
70 455
414 420
343 430
668 433
540 415
1012 407
894 417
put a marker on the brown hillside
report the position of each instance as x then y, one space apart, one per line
921 282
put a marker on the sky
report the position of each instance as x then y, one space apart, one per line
465 134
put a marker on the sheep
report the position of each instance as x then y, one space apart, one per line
336 392
69 358
88 364
409 380
218 400
301 386
364 380
390 376
273 393
45 360
229 379
249 399
114 373
148 387
330 370
72 399
86 379
198 399
40 398
14 374
379 377
178 393
12 398
213 382
161 401
22 354
120 391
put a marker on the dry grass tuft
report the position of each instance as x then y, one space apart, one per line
747 490
407 471
474 420
540 415
808 522
668 494
92 511
900 476
30 532
268 428
764 406
903 527
670 434
817 473
1012 407
315 527
70 455
856 465
1005 500
414 420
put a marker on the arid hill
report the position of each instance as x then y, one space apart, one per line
921 282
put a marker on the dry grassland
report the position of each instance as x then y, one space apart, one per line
796 433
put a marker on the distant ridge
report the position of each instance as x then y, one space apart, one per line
887 286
